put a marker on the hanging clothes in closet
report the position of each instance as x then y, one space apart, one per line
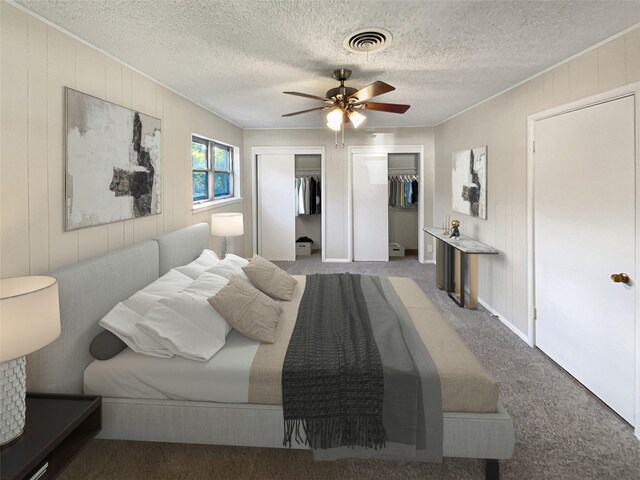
308 196
403 190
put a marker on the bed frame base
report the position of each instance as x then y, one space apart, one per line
466 435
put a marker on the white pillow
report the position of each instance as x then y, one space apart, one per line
231 266
193 270
207 284
186 324
121 321
165 286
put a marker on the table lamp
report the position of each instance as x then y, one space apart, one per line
227 225
29 320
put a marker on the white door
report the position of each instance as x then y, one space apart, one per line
370 208
276 207
584 232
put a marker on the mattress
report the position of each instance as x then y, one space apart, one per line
246 371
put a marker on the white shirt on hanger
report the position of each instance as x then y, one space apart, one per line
301 197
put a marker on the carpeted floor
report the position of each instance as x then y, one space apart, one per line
562 430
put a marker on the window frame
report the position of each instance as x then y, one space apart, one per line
215 170
211 171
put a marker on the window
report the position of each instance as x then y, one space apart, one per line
213 172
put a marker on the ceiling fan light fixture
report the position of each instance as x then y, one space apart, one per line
343 104
356 118
334 126
334 119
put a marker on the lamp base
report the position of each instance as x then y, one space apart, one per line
227 246
13 377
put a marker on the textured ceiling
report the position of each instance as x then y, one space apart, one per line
237 57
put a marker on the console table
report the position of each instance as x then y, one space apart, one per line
460 251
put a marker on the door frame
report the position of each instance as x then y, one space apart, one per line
285 150
624 91
386 149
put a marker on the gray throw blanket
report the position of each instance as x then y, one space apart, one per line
332 378
412 398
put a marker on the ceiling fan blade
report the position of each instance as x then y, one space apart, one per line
373 90
306 95
385 107
302 111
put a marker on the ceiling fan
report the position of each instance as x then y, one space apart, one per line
345 103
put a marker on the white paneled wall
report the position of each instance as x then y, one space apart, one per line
335 189
38 61
501 123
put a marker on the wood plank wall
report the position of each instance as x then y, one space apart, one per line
501 123
37 62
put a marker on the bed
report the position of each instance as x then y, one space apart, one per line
140 403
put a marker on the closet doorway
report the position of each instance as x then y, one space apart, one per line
386 202
308 190
287 201
403 178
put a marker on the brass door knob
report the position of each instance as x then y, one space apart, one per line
620 277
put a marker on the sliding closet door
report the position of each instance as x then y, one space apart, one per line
370 208
276 207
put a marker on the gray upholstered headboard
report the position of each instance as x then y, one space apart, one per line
89 289
182 246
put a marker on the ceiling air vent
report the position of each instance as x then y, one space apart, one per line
367 40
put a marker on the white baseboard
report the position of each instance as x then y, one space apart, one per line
336 260
525 338
432 262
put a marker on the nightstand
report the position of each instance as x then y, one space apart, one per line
57 428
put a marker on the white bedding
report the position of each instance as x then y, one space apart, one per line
224 378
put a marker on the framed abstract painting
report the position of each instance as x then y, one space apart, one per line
469 182
113 162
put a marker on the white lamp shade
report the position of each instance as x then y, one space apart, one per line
227 224
334 119
356 118
29 315
334 126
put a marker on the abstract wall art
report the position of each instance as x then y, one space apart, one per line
469 182
113 162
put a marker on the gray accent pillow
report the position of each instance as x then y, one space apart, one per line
270 278
248 310
106 345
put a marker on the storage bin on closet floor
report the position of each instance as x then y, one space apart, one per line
303 248
396 250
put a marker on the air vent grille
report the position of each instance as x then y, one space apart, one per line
367 40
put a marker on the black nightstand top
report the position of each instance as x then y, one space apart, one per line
57 427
